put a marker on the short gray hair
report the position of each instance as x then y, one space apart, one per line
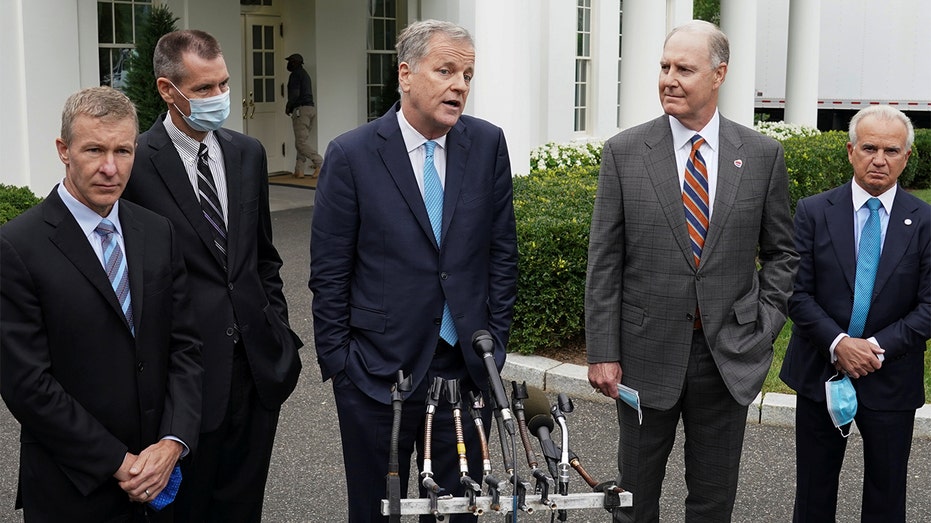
97 102
718 47
886 113
167 61
414 40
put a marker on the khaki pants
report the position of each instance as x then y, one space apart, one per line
302 118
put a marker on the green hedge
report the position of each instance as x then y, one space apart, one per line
554 212
15 200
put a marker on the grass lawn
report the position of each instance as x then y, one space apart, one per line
774 384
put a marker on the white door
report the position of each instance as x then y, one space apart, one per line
264 98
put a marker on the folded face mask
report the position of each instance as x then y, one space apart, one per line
630 397
842 401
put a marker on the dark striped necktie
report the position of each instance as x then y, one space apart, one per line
210 203
695 198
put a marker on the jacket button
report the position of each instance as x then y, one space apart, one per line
140 366
444 275
690 317
230 286
229 331
436 321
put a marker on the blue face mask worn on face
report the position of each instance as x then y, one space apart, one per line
207 114
842 402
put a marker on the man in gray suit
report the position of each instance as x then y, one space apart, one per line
690 266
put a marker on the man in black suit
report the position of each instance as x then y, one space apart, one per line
879 346
397 287
212 183
104 379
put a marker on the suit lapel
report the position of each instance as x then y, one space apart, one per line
898 236
457 155
134 241
728 182
839 219
393 153
169 167
661 169
70 240
232 161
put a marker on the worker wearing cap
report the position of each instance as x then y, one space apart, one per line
302 112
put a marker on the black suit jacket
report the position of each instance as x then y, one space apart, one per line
244 302
900 313
83 388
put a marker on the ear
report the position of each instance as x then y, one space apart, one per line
165 89
62 151
719 73
850 147
404 76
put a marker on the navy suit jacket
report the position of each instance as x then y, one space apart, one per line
378 277
84 389
246 300
900 313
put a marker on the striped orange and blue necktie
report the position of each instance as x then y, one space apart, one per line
695 198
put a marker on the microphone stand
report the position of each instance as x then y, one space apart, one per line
433 490
544 481
471 487
563 405
520 486
475 410
393 480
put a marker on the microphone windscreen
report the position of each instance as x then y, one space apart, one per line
539 421
536 403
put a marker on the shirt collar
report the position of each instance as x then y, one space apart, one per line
87 219
681 134
860 196
186 145
412 138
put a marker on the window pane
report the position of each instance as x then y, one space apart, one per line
391 8
257 90
374 69
123 23
257 66
269 89
142 14
379 29
120 63
104 66
269 37
256 37
270 63
104 23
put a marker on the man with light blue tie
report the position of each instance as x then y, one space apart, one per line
99 359
862 308
413 250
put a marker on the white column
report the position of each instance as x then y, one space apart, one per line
678 12
737 96
803 62
644 31
603 102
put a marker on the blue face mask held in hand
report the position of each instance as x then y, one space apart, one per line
630 397
842 402
207 114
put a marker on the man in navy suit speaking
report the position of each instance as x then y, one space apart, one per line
413 249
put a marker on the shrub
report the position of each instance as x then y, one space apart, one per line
566 156
816 163
920 162
554 212
781 130
140 80
15 200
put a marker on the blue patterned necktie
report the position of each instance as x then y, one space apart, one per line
117 271
867 262
433 199
695 198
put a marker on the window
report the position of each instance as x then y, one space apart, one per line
583 63
117 23
263 63
620 53
381 72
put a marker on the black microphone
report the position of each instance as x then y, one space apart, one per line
537 410
484 345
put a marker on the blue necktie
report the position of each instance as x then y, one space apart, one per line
433 199
867 262
115 264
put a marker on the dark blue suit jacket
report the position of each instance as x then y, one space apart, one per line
378 277
900 314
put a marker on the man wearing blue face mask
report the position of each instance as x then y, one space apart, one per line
212 183
862 313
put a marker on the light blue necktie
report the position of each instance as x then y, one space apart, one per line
867 262
433 199
117 271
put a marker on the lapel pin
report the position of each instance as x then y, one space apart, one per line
738 163
908 221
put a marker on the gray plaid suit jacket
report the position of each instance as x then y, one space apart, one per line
643 288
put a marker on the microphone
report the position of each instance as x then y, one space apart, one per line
484 346
541 425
